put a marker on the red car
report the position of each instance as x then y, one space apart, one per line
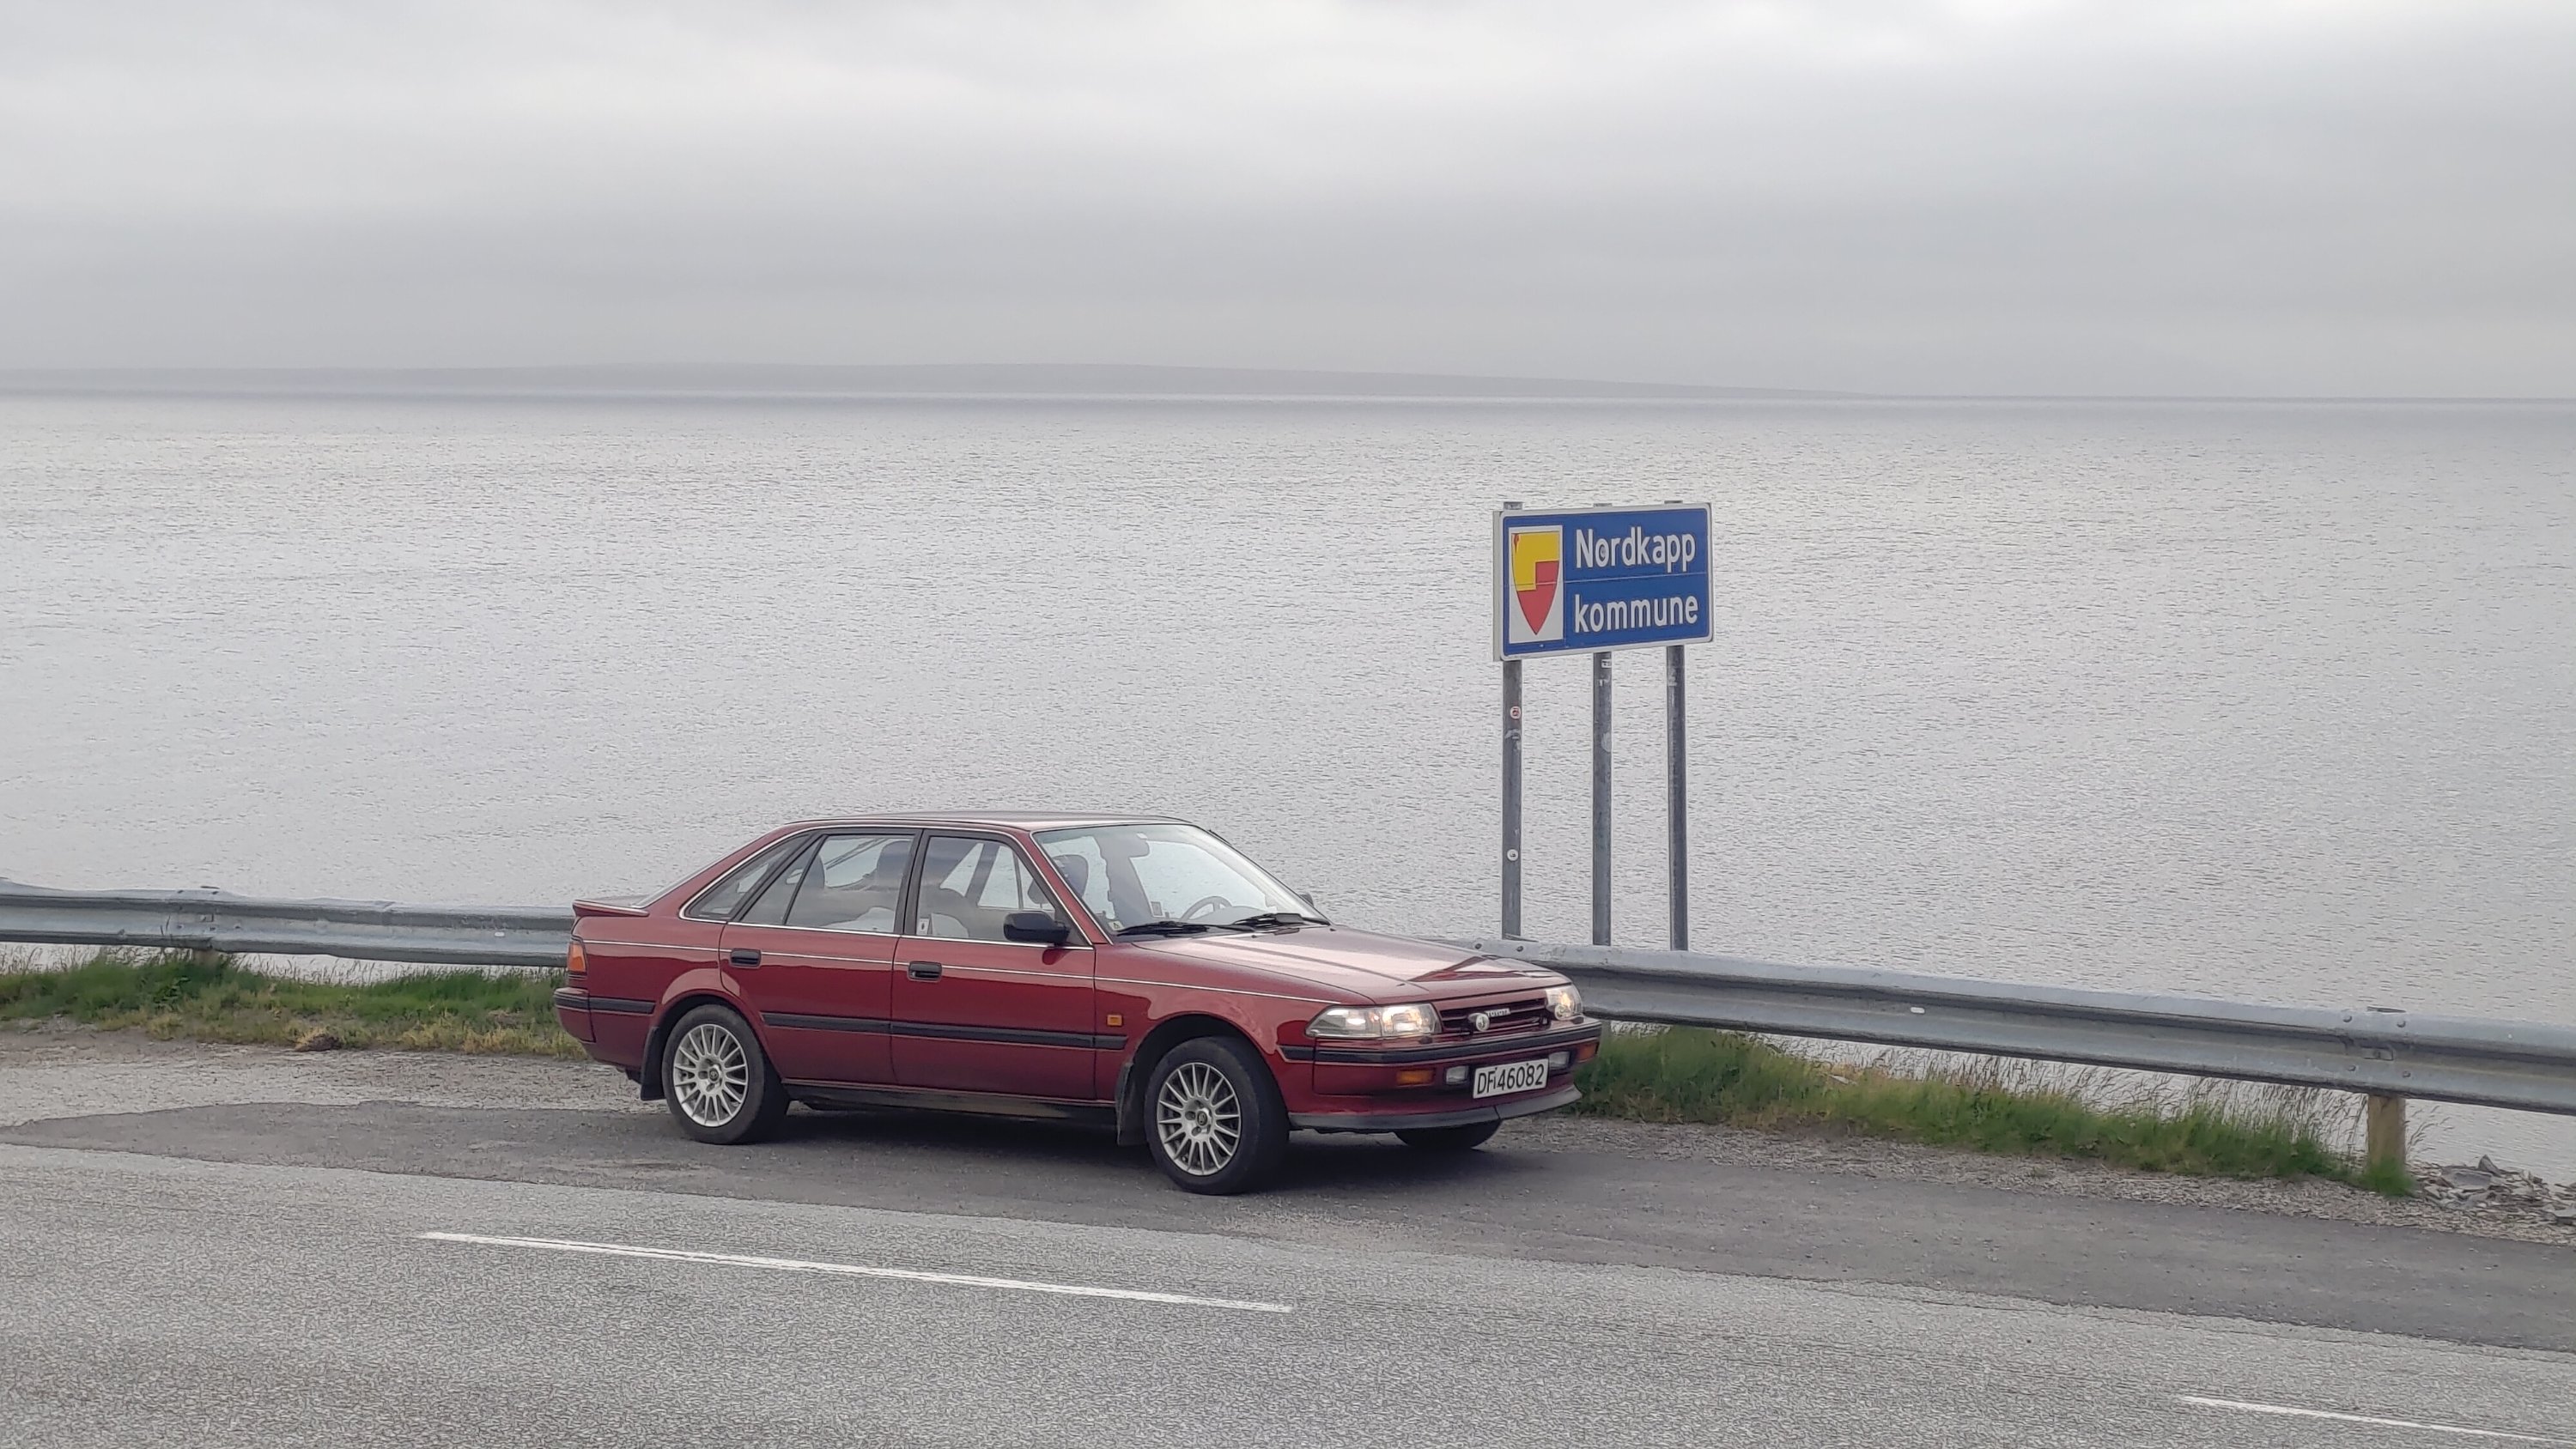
1136 973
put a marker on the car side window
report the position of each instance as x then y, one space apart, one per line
718 902
1085 871
771 908
970 886
854 884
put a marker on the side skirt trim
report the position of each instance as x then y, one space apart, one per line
983 1104
945 1031
873 1025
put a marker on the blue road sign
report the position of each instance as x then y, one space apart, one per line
1599 578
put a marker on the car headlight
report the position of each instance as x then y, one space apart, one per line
1374 1023
1564 1003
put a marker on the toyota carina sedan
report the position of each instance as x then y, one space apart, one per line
1135 973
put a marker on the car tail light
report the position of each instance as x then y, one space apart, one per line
575 964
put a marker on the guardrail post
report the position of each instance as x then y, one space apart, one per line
2384 1130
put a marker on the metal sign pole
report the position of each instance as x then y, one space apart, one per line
1511 798
1676 799
1511 793
1601 798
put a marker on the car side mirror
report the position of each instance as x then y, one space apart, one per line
1309 898
1035 928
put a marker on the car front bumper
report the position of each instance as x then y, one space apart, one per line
1498 1109
1385 1089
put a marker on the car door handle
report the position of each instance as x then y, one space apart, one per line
922 970
745 956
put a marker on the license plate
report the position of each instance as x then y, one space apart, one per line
1503 1077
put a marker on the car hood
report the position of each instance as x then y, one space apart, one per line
1365 964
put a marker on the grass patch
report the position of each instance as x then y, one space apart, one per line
178 995
2388 1179
2212 1130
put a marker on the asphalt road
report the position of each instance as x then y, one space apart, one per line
255 1273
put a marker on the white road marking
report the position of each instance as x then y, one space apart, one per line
858 1270
2285 1410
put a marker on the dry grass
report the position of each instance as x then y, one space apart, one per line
178 995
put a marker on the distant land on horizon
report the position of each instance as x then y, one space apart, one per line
989 379
857 381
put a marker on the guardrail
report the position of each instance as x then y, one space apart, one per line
2387 1055
207 919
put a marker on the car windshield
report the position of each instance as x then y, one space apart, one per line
1130 876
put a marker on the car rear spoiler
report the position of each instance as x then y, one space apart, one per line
611 906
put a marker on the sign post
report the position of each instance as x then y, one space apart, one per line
1676 802
1601 798
1511 791
1595 581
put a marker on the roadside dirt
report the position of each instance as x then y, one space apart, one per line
56 1070
2064 1177
60 1070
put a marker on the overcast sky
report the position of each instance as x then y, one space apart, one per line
2126 196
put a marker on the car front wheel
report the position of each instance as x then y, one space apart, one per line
1218 1125
718 1081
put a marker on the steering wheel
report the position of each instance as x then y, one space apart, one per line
1202 903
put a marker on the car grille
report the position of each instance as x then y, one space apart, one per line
1503 1018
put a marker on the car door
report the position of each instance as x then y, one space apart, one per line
975 1011
815 954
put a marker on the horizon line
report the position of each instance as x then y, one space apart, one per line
152 379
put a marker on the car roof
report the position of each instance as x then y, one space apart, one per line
1002 819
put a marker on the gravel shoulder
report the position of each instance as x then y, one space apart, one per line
50 1071
54 1069
2060 1177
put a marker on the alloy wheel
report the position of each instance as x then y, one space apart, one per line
710 1074
1198 1118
